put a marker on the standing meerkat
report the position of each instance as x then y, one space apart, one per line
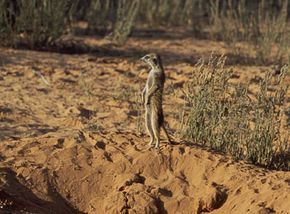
152 99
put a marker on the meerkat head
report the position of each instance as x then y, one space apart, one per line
153 60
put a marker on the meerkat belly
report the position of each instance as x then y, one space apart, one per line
156 99
156 106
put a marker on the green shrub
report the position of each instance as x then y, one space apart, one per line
224 117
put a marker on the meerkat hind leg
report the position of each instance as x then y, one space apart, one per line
155 128
148 125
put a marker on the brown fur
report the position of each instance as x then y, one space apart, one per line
152 98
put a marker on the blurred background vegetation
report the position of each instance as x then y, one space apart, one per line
262 23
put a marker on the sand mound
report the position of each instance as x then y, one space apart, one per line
79 172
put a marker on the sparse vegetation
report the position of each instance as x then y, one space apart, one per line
85 85
226 118
273 40
98 14
262 24
126 14
34 23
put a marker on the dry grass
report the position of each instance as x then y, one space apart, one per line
34 23
263 27
263 24
224 117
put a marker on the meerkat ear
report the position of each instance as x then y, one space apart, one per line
155 61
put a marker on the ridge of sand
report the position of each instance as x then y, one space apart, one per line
80 172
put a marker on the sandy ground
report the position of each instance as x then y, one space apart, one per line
72 138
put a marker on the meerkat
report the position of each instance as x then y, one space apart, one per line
152 99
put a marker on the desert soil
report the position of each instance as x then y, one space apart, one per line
72 137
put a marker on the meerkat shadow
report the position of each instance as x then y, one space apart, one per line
174 142
182 142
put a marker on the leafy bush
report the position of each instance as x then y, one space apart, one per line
226 118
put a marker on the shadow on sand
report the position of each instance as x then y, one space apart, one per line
21 199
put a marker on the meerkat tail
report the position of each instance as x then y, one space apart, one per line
166 133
